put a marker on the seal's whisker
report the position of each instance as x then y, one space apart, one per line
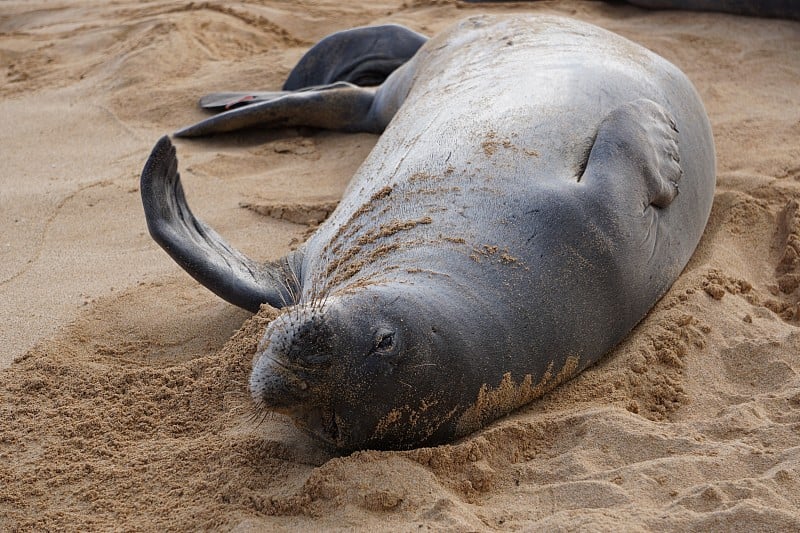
283 283
294 282
278 280
259 421
290 289
270 358
254 415
297 285
259 415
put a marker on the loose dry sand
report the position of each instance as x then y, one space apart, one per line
122 400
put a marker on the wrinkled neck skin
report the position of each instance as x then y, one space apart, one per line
378 367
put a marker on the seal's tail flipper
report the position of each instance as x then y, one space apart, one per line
199 249
362 56
345 108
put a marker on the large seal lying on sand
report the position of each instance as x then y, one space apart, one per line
539 185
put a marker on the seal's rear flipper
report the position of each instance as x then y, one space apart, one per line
229 100
347 108
200 250
362 56
324 90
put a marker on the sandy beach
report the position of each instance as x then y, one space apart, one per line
123 397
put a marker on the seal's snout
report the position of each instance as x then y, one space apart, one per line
291 371
276 387
291 362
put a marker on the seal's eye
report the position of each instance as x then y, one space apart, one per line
384 341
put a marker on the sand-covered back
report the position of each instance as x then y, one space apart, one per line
123 401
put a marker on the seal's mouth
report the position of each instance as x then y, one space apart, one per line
322 423
296 392
329 425
318 421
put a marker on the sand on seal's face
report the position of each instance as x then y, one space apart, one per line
127 407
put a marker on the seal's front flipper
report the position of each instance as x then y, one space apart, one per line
635 157
200 250
347 108
362 56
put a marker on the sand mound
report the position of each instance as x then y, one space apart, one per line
127 405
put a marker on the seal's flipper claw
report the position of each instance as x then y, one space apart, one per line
362 56
345 108
636 154
200 250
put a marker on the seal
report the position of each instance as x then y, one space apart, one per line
539 185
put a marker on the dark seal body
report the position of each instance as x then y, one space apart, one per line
541 183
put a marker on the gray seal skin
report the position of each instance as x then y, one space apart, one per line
539 185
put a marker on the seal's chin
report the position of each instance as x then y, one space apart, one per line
319 422
278 388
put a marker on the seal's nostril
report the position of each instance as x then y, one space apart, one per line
308 342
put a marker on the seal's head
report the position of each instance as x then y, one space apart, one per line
361 371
